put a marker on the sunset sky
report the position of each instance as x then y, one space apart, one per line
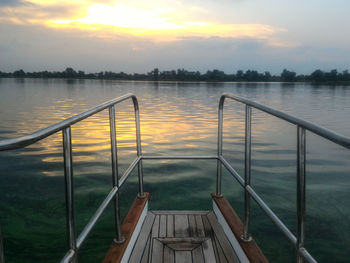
137 36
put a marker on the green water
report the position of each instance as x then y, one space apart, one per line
176 119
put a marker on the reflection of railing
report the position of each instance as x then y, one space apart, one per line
65 126
302 126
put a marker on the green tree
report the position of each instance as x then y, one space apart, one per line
317 75
19 73
287 75
155 74
69 73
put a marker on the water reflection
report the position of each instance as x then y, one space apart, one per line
176 118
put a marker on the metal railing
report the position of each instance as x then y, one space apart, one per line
65 127
302 126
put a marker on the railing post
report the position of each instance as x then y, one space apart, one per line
301 162
115 175
2 257
141 194
219 164
247 168
68 176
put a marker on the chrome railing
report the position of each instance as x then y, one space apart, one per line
302 126
65 127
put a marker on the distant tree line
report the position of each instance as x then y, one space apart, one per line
185 75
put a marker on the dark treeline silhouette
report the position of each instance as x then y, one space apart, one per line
184 75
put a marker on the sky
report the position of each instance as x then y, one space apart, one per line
137 36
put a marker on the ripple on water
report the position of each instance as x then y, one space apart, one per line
176 119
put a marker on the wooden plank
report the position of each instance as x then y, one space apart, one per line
142 239
208 231
181 226
208 251
183 256
200 227
220 257
230 236
155 227
219 233
251 249
169 255
192 226
216 252
157 251
180 212
197 255
162 226
182 243
154 234
170 226
146 250
116 251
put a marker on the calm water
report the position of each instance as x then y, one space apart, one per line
176 118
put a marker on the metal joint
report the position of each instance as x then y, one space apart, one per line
119 241
141 196
246 239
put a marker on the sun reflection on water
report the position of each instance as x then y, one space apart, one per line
176 119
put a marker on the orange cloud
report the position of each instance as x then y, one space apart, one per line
109 19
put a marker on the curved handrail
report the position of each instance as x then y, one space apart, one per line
323 132
23 141
302 126
65 127
297 241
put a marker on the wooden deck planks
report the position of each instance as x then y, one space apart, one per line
187 236
221 236
169 255
143 238
192 226
162 226
208 251
181 226
116 251
180 212
197 255
170 226
182 256
199 225
251 249
157 251
145 255
220 254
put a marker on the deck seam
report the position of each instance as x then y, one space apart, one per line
186 224
148 237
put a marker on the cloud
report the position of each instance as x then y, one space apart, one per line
108 19
4 3
167 35
39 48
35 12
159 24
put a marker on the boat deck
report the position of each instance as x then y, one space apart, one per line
182 236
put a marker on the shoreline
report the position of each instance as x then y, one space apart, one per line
315 83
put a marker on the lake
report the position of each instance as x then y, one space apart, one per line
177 118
